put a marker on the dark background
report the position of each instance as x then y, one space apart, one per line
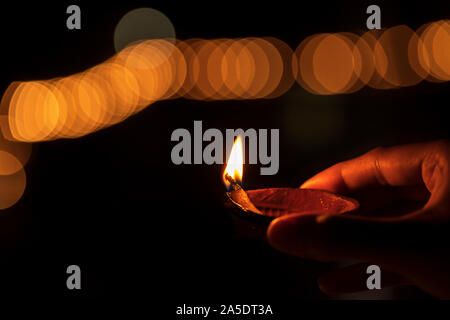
114 204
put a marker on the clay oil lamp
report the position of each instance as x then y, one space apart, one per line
253 210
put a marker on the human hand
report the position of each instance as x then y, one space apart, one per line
411 239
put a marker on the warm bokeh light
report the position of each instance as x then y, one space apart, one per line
247 68
12 187
8 163
142 24
282 69
441 49
392 56
336 63
333 63
434 50
13 157
376 81
235 164
221 69
104 95
383 59
152 65
302 66
20 150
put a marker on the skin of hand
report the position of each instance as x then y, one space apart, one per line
403 224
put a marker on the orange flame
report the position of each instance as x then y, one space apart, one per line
235 164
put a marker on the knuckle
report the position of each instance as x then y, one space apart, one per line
442 147
376 152
374 157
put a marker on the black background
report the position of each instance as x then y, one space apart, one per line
114 204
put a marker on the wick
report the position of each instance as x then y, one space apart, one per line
239 197
234 185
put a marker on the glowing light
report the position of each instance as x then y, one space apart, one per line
142 24
392 56
221 69
11 188
333 63
441 49
247 68
235 164
152 65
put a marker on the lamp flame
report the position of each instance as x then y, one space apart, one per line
235 164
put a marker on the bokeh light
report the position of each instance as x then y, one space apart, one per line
104 95
433 50
142 24
340 63
221 69
246 68
12 187
152 65
392 58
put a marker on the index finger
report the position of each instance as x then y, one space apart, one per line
393 166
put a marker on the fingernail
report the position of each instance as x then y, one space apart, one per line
307 184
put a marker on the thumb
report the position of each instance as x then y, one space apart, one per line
344 237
